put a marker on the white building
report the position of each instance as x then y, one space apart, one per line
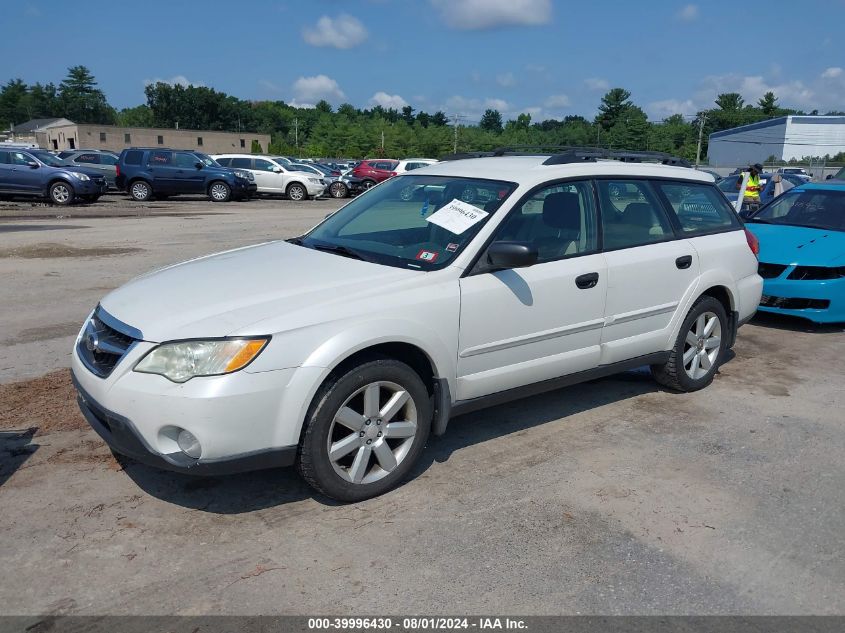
785 138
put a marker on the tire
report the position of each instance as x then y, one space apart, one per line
338 190
699 348
296 192
219 191
368 184
61 193
365 464
140 190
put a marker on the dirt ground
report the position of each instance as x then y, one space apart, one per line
612 497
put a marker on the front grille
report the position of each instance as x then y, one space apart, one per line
103 342
816 273
770 271
792 303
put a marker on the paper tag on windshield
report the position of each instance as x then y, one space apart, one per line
457 216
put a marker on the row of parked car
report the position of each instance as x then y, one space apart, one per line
146 173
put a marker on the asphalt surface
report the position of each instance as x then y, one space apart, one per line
613 497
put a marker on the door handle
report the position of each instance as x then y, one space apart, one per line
684 262
587 281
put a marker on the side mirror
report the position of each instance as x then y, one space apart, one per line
32 164
277 170
198 165
511 255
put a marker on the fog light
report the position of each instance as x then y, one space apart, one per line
189 444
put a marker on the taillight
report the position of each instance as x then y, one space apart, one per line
117 170
753 242
393 173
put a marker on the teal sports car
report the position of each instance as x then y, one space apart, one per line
802 252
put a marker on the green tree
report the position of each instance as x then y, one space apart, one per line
323 106
769 104
81 100
13 106
613 107
730 101
491 121
139 116
408 115
439 119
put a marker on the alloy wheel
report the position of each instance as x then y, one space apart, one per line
372 432
219 192
61 193
702 345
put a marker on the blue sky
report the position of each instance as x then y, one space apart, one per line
549 58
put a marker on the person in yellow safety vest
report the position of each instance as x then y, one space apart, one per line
754 187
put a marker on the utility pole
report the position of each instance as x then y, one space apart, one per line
700 135
382 142
455 148
296 134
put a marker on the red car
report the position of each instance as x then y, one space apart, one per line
372 172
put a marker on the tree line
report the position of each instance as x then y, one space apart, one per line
354 132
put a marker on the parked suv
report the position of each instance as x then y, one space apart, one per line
372 172
98 160
41 174
275 177
147 172
341 350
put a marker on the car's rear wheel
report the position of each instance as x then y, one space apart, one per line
61 193
141 191
338 190
219 192
698 349
365 430
297 192
368 184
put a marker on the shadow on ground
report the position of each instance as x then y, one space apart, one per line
248 492
15 448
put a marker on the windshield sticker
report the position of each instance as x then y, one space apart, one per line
452 247
427 256
424 210
457 216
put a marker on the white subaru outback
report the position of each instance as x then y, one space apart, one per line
341 350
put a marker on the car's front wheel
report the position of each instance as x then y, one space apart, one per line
698 349
338 190
61 193
219 192
368 184
297 192
365 430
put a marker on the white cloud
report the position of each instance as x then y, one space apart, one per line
491 14
832 73
307 90
557 101
341 32
506 80
688 14
497 104
667 107
794 94
596 84
176 80
385 100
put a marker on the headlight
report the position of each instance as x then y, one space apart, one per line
180 362
79 175
246 175
316 181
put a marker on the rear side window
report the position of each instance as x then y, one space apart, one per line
133 157
242 163
631 214
223 161
699 208
4 157
107 159
93 159
160 158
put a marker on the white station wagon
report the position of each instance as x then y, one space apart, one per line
340 351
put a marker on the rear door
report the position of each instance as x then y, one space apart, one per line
163 171
649 269
5 171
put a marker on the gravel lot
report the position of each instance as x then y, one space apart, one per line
610 497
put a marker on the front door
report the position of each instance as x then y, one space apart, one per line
22 176
530 324
189 177
268 176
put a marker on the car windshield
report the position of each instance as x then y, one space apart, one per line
48 159
840 175
728 184
306 168
814 208
207 160
417 222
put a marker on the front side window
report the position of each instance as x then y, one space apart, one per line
19 158
45 157
631 214
814 208
559 221
264 165
417 222
699 208
184 160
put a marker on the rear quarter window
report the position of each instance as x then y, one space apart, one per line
698 208
133 157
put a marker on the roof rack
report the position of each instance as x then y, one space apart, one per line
574 154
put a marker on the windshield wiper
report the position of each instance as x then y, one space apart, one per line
343 251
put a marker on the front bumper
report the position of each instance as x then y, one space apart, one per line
93 187
122 437
315 191
821 301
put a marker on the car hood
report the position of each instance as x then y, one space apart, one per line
783 244
91 173
232 293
